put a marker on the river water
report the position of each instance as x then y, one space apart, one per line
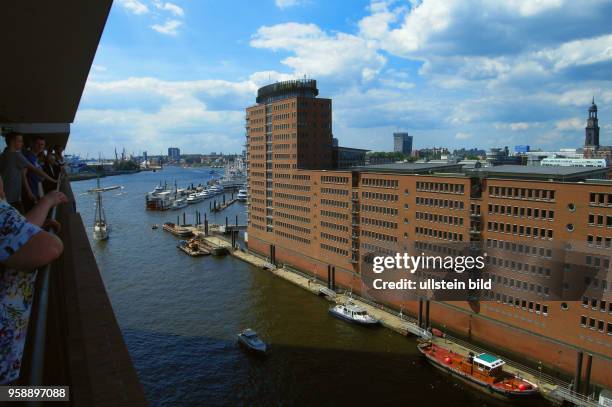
180 315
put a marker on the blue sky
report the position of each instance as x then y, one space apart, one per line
452 73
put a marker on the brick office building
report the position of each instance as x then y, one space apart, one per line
535 223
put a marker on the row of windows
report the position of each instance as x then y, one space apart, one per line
259 147
596 304
337 204
519 284
594 324
379 209
256 139
257 209
283 166
536 213
284 116
334 226
378 236
301 177
442 187
520 248
298 208
599 241
439 234
258 156
284 136
522 193
333 249
380 196
283 146
284 156
373 249
380 183
434 217
439 203
334 238
599 220
258 183
330 179
284 126
292 197
281 175
292 237
525 305
304 188
256 226
257 165
292 227
600 199
258 174
258 218
283 106
434 248
596 262
518 266
520 230
336 215
258 201
292 217
334 191
379 222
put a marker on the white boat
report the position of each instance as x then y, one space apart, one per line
215 189
353 313
195 198
242 195
249 338
100 228
179 203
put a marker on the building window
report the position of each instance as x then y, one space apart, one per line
583 320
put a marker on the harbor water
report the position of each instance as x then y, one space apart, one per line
180 315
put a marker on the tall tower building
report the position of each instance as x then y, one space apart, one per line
402 143
592 129
289 128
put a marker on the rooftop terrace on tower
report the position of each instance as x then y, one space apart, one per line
287 89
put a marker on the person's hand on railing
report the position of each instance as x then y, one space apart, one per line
52 224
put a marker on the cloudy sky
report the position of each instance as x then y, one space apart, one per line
459 73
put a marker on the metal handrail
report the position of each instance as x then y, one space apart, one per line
38 323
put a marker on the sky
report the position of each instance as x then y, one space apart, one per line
465 73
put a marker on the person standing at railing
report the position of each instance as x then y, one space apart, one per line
13 166
33 186
24 247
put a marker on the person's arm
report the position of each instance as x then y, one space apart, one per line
38 214
26 185
27 164
41 249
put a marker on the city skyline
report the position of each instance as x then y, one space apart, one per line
180 73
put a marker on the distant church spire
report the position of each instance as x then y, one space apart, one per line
591 139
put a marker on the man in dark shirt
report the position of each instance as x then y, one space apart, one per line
13 165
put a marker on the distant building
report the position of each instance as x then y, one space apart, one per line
174 154
521 149
501 156
347 157
402 143
574 162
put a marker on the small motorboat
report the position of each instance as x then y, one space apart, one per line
179 203
249 338
242 195
156 226
353 313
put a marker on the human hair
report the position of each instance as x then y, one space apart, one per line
11 137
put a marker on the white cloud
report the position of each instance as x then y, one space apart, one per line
316 53
133 6
462 136
171 8
575 123
170 27
288 3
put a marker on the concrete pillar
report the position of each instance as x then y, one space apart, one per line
578 373
420 320
587 374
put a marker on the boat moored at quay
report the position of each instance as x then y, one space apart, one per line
483 371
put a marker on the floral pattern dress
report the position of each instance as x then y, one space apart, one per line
16 292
